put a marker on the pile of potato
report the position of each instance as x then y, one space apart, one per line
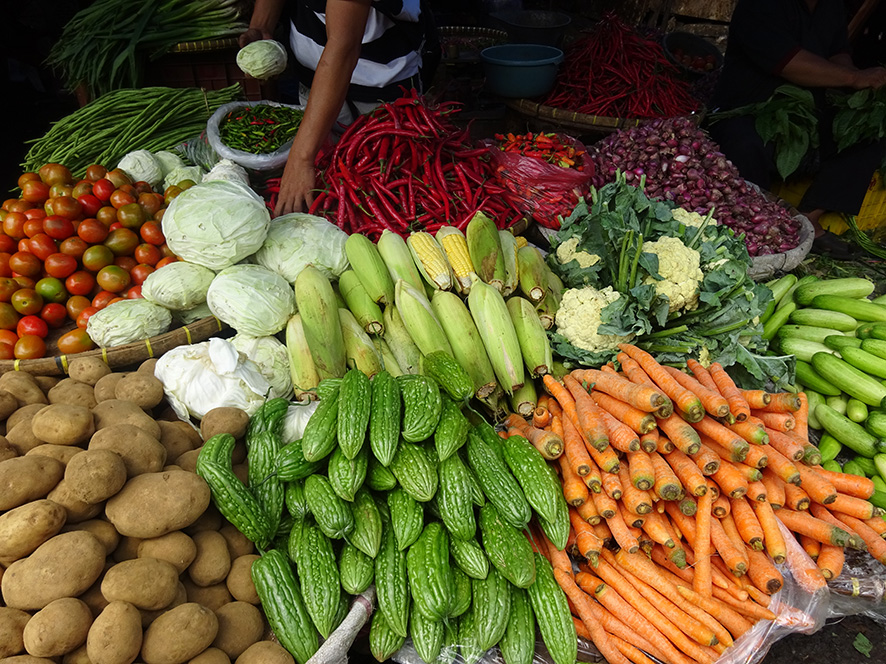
110 549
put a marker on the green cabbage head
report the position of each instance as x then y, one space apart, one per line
262 59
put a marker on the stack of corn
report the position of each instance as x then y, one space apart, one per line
485 297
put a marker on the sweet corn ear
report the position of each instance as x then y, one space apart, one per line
455 246
430 259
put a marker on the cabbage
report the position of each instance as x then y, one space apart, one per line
169 161
142 165
199 377
251 299
216 224
176 175
179 285
262 59
226 169
272 358
297 240
126 321
188 316
296 419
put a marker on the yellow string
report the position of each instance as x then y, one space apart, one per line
105 356
150 350
188 334
15 365
64 362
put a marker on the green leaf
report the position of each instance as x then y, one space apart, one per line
863 645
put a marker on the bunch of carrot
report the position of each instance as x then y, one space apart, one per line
676 485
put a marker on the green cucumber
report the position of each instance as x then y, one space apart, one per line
879 483
813 398
829 447
832 466
807 375
852 468
789 296
779 288
802 349
858 309
838 403
824 318
849 379
856 411
849 433
865 361
808 332
876 423
863 331
779 318
848 288
874 347
840 341
868 466
878 499
877 331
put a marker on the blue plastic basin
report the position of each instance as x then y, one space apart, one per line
521 70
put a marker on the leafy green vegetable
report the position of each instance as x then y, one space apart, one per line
863 645
860 116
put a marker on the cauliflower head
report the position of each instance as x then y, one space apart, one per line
579 316
690 219
568 251
681 268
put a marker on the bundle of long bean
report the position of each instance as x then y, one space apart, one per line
406 167
105 44
121 121
614 71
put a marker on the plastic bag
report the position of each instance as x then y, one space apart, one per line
539 189
258 162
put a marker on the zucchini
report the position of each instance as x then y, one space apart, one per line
856 411
849 433
858 309
867 362
832 466
849 379
789 296
848 288
840 341
852 468
876 423
868 466
808 332
874 347
802 349
838 403
807 375
829 447
824 318
814 398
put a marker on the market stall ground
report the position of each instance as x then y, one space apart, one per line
841 640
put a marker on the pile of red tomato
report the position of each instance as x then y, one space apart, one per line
69 248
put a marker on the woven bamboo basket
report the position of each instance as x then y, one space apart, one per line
125 355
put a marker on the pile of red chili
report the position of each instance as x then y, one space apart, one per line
545 146
406 167
613 71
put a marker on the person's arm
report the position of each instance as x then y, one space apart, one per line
345 25
810 70
265 15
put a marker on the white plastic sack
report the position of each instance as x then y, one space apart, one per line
297 416
256 162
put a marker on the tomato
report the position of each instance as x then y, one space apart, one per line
7 244
27 176
17 205
32 325
151 203
131 216
84 316
33 227
7 287
24 245
26 264
171 192
126 262
58 190
90 204
60 266
97 257
54 173
29 347
35 213
103 188
96 172
102 299
54 314
58 227
51 289
76 304
80 282
107 215
42 246
75 341
68 207
14 225
167 252
35 191
82 188
5 270
134 293
24 282
158 217
113 278
140 272
152 233
27 301
73 246
120 198
92 231
142 187
8 337
115 226
8 316
7 351
122 241
119 177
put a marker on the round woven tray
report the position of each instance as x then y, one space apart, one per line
121 356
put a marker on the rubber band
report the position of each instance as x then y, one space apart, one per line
148 346
15 364
105 356
188 334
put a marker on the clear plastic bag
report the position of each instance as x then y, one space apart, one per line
540 189
256 162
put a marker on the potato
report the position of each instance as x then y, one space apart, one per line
239 581
211 519
265 652
147 366
64 566
63 453
24 528
88 369
106 386
77 656
93 597
46 383
211 656
178 437
127 549
166 413
179 634
240 452
176 548
181 597
23 387
7 451
58 628
146 583
104 531
116 635
95 475
77 510
72 392
22 437
12 626
239 626
114 411
141 452
153 504
63 424
27 659
8 404
224 419
241 470
212 597
238 543
188 461
213 562
140 388
24 413
23 479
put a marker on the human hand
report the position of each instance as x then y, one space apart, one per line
296 187
874 77
251 35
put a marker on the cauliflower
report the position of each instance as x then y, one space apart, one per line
690 219
579 316
567 252
680 267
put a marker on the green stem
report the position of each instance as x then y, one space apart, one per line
667 332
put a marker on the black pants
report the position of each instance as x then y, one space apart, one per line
839 179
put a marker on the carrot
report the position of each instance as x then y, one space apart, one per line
702 375
877 524
720 506
801 417
830 560
640 422
738 406
612 485
806 524
783 467
556 419
821 512
811 454
782 422
730 480
632 652
574 449
757 491
582 603
684 400
646 398
809 578
756 399
621 436
541 416
620 533
728 617
589 416
588 511
662 444
722 436
819 489
735 559
701 582
679 432
635 500
586 540
774 488
611 624
783 402
555 407
604 532
707 460
666 485
762 573
752 430
649 441
654 526
747 524
785 445
641 470
687 506
713 402
735 454
575 491
606 459
857 507
851 485
687 471
876 544
796 498
606 507
749 473
757 457
810 546
773 541
731 530
549 443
